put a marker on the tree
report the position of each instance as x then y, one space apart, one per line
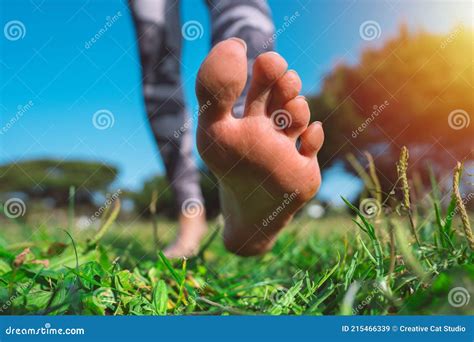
416 90
47 178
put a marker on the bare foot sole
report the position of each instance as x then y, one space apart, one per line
264 178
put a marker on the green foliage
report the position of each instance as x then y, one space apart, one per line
455 282
376 267
401 94
304 274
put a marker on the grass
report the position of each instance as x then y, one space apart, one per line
368 263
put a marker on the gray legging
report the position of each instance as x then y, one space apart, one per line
159 33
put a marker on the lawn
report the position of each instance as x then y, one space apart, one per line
378 259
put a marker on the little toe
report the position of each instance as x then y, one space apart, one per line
312 139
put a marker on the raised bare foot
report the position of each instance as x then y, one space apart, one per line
264 179
192 229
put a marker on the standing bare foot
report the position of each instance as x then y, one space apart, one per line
264 179
192 229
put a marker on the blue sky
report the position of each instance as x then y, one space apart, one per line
67 83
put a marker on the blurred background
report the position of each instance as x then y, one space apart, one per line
378 74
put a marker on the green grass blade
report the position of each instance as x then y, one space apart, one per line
328 274
177 277
71 215
448 222
371 257
350 272
105 227
410 259
160 298
369 228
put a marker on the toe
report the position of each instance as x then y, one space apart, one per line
267 69
293 117
285 89
312 139
221 78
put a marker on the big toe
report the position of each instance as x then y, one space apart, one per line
221 78
267 69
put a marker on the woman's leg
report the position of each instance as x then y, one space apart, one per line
158 32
